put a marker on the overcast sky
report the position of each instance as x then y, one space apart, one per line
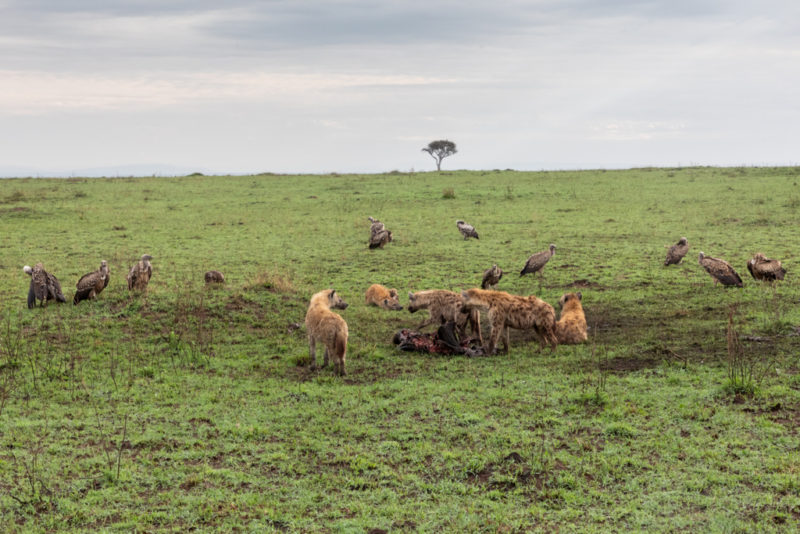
245 86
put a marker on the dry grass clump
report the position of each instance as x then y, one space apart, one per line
272 281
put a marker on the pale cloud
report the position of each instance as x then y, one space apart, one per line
23 93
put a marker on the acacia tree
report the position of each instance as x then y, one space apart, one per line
439 150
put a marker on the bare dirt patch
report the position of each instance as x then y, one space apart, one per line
585 284
622 364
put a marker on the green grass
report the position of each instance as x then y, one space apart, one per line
188 408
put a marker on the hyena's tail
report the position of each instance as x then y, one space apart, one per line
341 346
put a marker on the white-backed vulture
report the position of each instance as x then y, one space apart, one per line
677 252
720 270
537 261
139 275
379 239
763 268
467 230
491 277
43 287
378 234
92 284
375 227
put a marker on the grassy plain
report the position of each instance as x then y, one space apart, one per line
191 409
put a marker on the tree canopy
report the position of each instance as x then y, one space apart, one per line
439 150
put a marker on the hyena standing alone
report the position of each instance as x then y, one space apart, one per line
443 306
511 311
328 328
571 326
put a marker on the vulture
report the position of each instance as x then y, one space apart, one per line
720 270
378 234
378 239
491 277
214 277
91 284
140 274
537 262
376 226
44 286
763 268
467 230
677 252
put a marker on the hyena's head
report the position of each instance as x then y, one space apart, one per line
336 301
412 302
467 303
393 302
569 298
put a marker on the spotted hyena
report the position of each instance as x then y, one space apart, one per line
511 311
388 299
328 328
443 306
571 326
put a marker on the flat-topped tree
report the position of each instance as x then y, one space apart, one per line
439 150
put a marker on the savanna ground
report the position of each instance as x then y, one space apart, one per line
192 409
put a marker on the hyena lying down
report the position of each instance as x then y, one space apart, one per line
511 311
327 327
388 299
443 306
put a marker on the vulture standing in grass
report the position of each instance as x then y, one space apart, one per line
379 239
537 262
763 268
91 284
376 226
378 234
139 275
467 230
44 286
677 252
491 277
720 270
214 277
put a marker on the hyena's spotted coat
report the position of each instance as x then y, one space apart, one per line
511 311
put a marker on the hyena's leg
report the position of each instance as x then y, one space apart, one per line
552 338
541 334
494 336
312 350
327 357
506 341
475 320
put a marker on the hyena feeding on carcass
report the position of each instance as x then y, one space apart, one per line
511 311
444 306
328 328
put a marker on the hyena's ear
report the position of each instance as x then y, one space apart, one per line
464 294
333 293
392 292
580 296
410 295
